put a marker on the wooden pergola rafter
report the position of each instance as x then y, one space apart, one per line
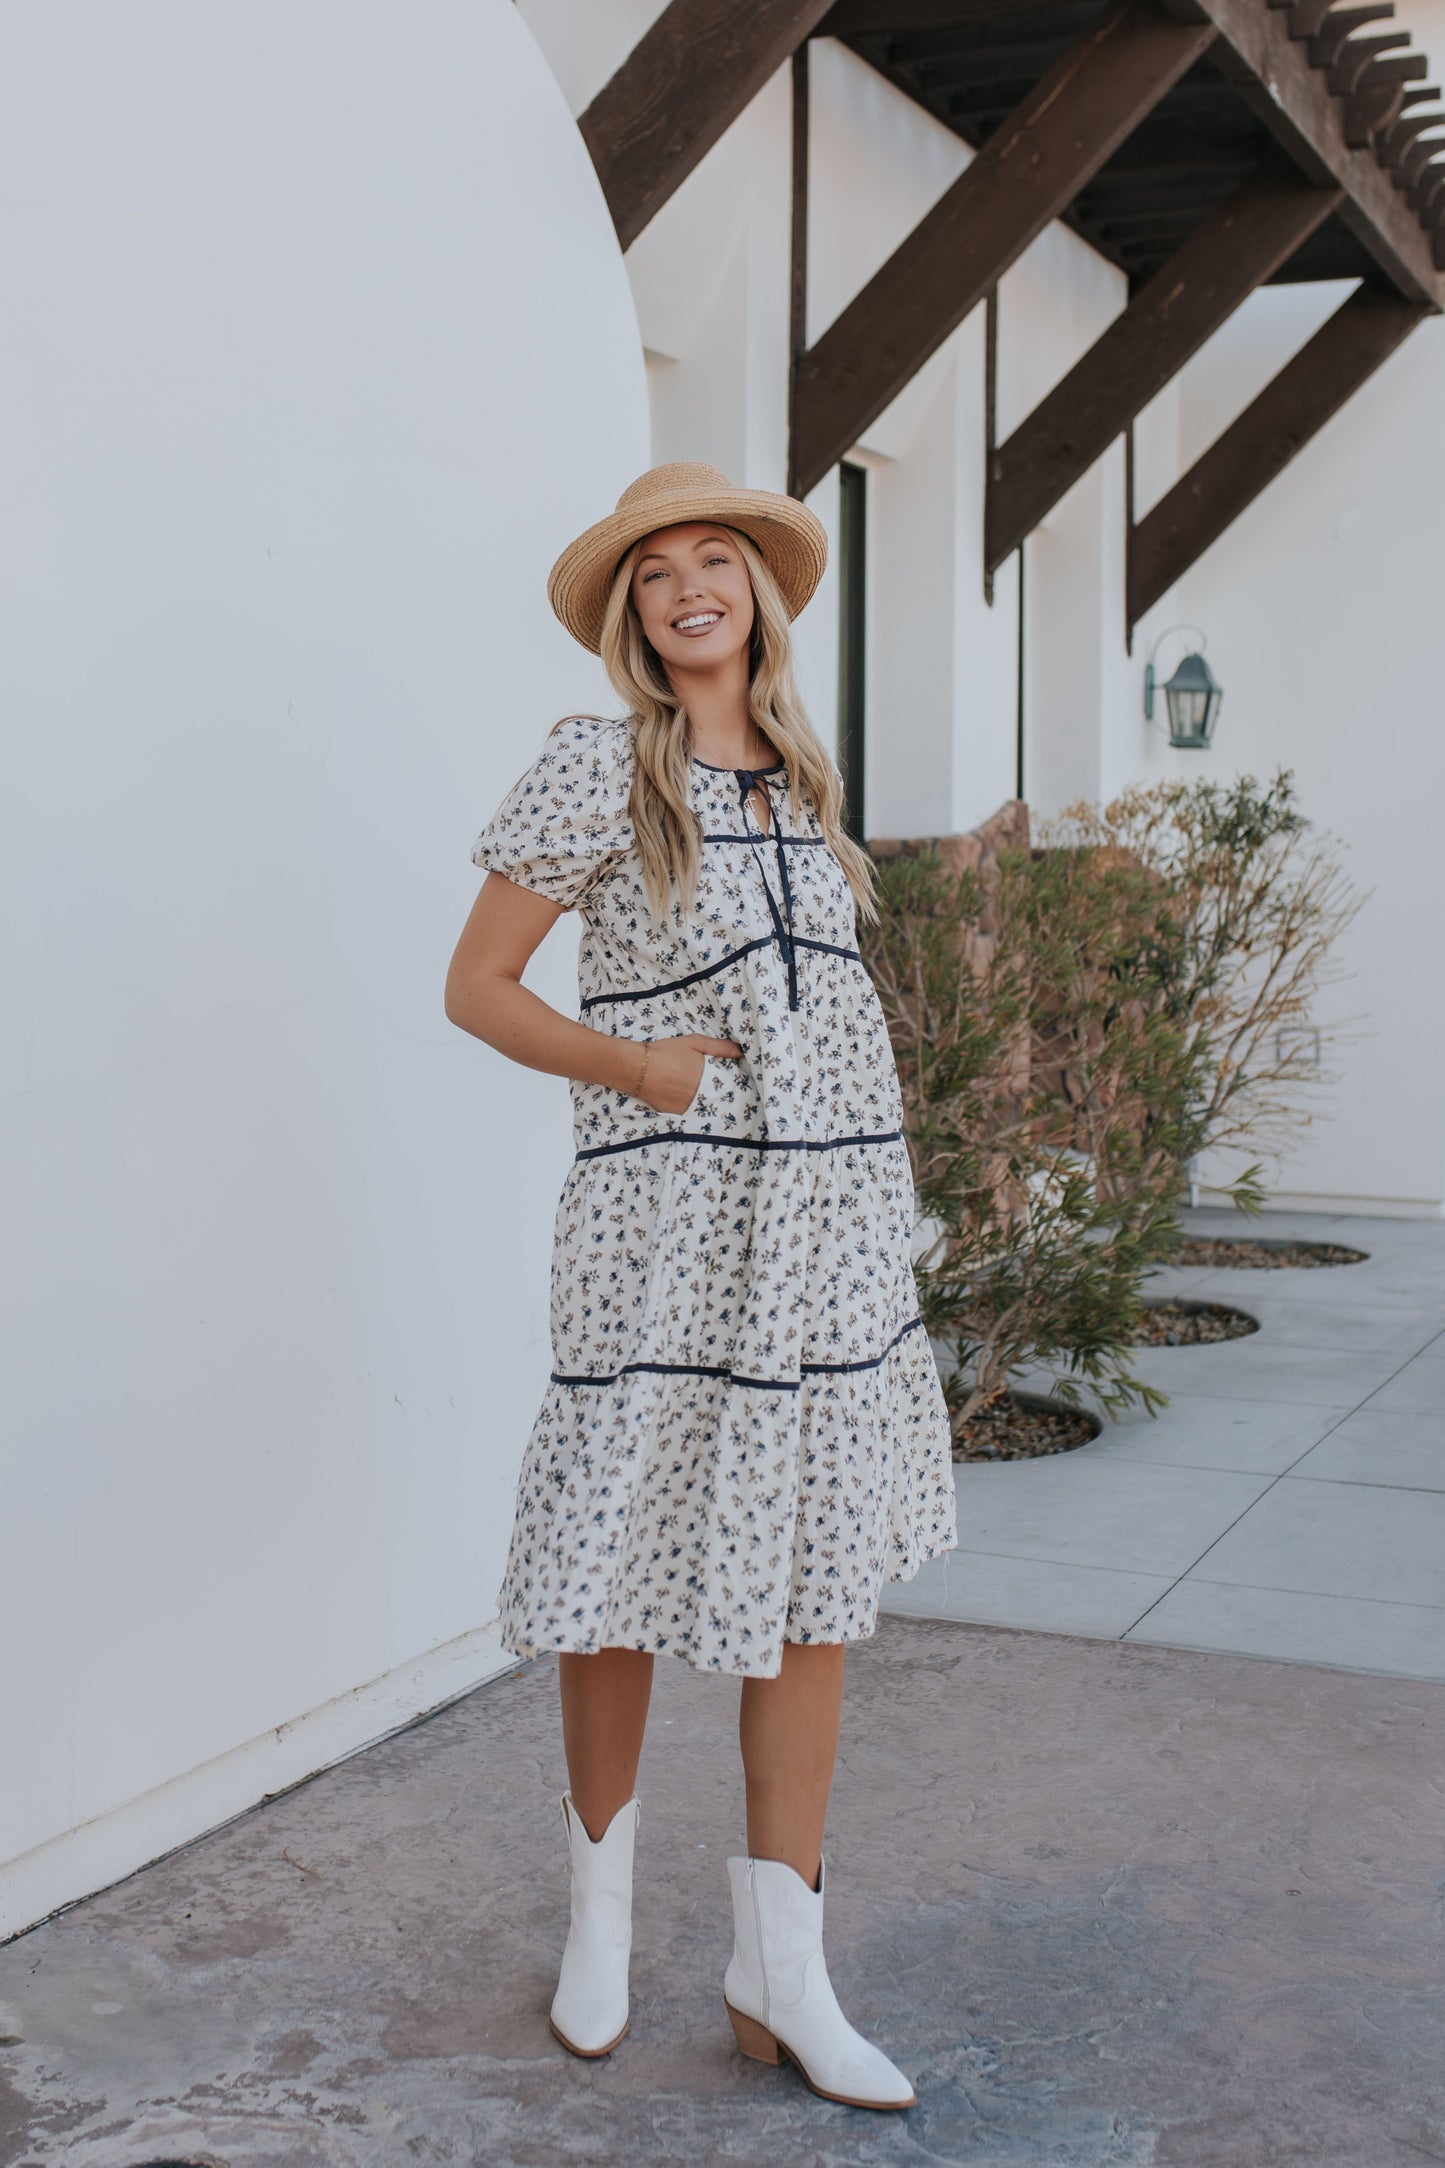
1204 146
1225 480
1236 249
1083 107
680 88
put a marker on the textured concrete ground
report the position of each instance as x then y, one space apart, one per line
1109 1905
1290 1500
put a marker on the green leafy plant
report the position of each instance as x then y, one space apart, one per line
1261 898
1074 1026
1046 1099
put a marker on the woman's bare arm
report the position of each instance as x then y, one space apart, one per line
485 996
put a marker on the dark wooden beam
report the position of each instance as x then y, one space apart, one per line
876 18
798 226
1121 179
798 219
1411 168
1432 212
1341 24
1358 56
1236 249
990 412
1379 100
1272 73
1026 174
681 87
1397 144
966 74
1297 403
1305 16
1010 29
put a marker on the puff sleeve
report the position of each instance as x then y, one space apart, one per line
565 821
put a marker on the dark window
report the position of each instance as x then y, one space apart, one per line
852 622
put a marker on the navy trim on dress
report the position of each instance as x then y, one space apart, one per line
749 780
671 986
737 1377
771 770
871 1362
741 1144
787 841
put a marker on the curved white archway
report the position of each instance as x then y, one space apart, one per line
327 347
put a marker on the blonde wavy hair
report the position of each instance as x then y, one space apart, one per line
667 830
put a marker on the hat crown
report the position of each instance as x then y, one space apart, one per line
668 480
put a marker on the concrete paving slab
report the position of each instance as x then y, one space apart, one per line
1336 1539
1391 1231
1381 1445
1387 1327
1290 1225
1252 1437
1418 1386
1379 1284
1091 1510
1404 1639
1259 1368
1164 1281
1281 1404
1111 1906
1051 1594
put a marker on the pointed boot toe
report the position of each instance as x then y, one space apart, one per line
779 1997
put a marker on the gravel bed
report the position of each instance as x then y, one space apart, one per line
1192 1324
1022 1426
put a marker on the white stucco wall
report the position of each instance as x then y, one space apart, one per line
1055 302
320 347
1320 604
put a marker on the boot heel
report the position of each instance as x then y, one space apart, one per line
754 2039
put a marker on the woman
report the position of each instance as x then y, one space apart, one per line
744 1434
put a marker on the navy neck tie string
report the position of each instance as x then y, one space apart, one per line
749 780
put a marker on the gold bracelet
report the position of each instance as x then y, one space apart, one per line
641 1074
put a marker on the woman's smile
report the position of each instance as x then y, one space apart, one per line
699 621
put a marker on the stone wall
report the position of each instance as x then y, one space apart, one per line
976 851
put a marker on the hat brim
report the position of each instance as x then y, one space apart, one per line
792 540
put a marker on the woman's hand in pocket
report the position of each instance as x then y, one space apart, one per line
672 1073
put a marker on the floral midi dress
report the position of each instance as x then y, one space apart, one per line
744 1433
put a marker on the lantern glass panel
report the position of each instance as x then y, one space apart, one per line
1192 697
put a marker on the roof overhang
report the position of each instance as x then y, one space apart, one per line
1320 85
1206 147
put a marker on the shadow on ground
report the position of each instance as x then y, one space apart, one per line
1110 1906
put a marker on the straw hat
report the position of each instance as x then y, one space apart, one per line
792 541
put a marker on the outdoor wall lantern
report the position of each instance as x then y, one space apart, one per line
1192 695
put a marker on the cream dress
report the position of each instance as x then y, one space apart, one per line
744 1434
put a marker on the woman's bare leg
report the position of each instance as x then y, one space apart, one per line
604 1715
788 1731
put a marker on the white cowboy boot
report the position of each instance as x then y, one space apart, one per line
780 1998
589 2009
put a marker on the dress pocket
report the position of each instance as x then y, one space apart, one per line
704 1083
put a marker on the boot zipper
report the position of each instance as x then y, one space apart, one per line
758 1931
